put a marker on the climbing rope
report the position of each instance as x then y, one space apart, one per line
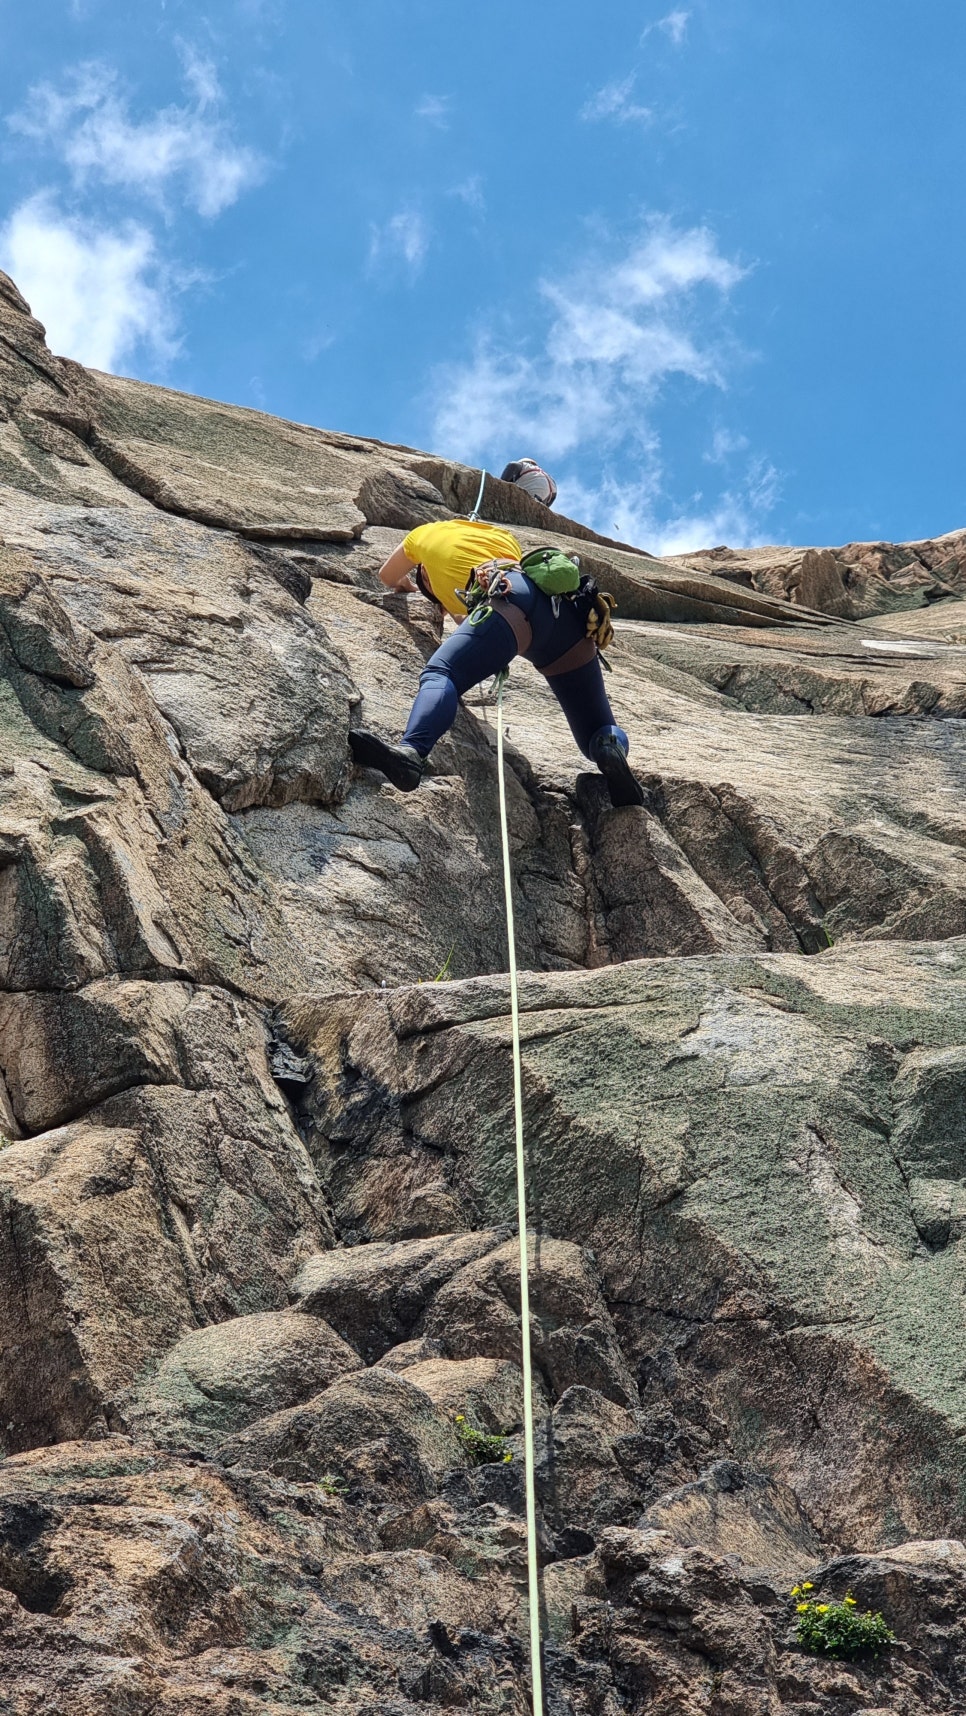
474 515
533 1587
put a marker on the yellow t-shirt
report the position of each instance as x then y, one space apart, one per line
449 549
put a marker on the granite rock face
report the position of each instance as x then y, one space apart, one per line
257 1244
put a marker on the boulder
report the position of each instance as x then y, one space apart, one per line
217 1380
593 1468
163 1185
740 1514
487 1392
376 1295
373 1432
91 1284
252 685
477 1314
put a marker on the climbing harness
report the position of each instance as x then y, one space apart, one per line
533 1586
490 580
486 581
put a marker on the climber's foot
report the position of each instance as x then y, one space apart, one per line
611 759
400 764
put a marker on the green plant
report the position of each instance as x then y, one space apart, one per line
441 973
838 1629
332 1485
483 1450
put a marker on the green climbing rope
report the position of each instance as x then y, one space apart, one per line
533 1587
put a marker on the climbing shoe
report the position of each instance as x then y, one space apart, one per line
611 759
400 764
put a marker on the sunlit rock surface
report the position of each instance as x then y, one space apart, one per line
257 1252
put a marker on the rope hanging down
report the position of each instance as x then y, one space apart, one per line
533 1588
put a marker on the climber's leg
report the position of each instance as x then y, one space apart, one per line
585 703
472 654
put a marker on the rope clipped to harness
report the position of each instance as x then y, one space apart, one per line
533 1583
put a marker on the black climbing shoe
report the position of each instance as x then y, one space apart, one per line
610 757
400 764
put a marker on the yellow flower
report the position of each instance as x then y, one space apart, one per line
460 1418
507 1458
851 1602
796 1591
808 1586
802 1608
821 1608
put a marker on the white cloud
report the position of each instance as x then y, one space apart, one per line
434 109
586 392
470 192
615 335
98 292
201 76
674 24
735 518
87 122
614 102
404 238
724 444
632 512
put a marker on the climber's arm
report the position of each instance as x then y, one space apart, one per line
396 571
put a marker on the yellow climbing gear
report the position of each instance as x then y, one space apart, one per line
599 624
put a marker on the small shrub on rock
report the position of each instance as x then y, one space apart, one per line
332 1485
838 1629
483 1450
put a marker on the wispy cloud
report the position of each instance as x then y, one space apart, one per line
636 511
617 333
201 77
100 292
435 109
470 192
86 121
614 102
674 25
725 443
403 238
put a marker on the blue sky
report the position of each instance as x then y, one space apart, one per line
704 261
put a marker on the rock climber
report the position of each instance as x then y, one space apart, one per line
439 559
527 475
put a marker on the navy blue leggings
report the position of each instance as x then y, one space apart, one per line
474 653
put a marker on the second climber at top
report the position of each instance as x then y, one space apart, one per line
514 617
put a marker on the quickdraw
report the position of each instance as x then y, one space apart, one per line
486 582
